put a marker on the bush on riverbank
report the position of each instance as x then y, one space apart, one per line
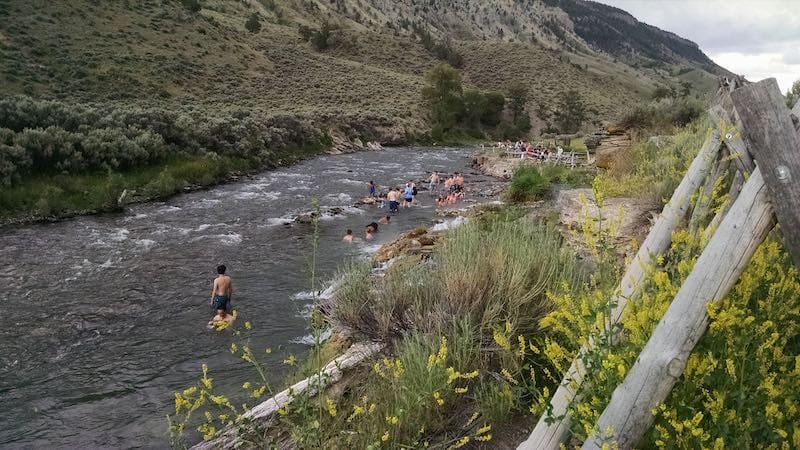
484 272
58 159
50 137
527 184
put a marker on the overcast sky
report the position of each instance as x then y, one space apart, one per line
757 38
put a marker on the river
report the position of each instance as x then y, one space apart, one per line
104 316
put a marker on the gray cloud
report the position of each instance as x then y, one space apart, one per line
756 37
720 26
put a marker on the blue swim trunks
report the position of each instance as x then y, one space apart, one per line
220 302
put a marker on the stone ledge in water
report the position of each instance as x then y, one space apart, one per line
418 241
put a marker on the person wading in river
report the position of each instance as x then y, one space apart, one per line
221 293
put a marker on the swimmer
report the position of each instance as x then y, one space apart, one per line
221 318
370 231
441 202
408 195
393 197
348 237
373 190
384 220
221 293
434 182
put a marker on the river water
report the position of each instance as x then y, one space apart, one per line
104 317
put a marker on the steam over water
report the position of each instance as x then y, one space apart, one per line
104 317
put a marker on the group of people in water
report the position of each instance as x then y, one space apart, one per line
446 191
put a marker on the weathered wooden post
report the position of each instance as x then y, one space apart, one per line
775 144
548 435
776 147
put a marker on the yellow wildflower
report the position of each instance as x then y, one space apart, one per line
385 436
331 407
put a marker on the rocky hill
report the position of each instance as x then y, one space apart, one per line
366 66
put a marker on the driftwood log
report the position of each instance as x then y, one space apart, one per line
549 434
332 373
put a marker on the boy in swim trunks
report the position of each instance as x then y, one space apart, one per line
221 292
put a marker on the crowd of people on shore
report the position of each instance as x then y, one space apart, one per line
527 150
445 190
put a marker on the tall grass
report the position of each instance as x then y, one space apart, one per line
487 272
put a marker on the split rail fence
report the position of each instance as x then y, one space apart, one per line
755 141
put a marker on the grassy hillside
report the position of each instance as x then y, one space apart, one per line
185 79
162 53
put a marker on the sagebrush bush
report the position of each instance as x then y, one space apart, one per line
662 115
488 272
46 137
527 184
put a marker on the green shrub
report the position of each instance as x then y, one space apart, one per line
253 23
192 5
527 184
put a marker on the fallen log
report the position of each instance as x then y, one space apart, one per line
330 374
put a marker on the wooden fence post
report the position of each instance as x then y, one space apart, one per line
548 435
776 147
662 361
775 144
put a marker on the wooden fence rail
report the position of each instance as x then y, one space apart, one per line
549 434
754 118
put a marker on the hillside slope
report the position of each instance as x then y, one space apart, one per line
153 52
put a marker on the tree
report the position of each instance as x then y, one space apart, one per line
253 25
661 92
474 107
192 5
686 88
518 97
571 112
493 111
443 95
793 94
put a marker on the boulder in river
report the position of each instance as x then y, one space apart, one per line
418 241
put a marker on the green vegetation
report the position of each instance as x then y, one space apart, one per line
527 184
570 113
652 171
535 182
64 195
253 23
662 116
457 111
793 94
58 159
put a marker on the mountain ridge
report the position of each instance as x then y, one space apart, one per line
151 52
